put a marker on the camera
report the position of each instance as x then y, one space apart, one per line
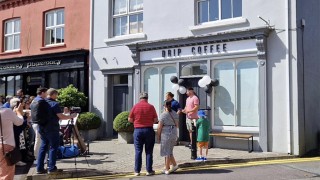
75 110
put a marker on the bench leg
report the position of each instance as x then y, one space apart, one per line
251 143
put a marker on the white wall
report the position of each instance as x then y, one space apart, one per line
172 18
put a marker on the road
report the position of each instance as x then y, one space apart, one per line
301 168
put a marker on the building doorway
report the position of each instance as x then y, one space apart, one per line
33 82
191 82
120 95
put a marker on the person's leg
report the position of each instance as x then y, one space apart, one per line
150 134
168 163
42 152
206 147
173 160
200 151
138 145
189 128
37 141
54 145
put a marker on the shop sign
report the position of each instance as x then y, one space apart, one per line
198 51
29 65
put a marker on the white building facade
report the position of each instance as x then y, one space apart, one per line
249 46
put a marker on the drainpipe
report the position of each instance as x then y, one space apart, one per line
288 77
91 56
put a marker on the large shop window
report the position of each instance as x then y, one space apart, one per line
54 27
236 99
127 17
12 35
157 83
65 78
213 10
10 84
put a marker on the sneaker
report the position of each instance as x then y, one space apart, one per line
204 159
174 168
199 159
166 172
55 171
136 174
20 163
41 172
151 173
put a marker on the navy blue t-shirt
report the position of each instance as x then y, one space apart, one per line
53 123
175 105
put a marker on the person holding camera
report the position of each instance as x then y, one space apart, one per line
8 118
50 134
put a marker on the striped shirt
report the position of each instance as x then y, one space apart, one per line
143 114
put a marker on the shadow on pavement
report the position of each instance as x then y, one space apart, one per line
205 171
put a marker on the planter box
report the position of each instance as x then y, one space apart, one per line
90 135
125 137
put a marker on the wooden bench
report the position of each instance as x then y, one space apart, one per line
236 136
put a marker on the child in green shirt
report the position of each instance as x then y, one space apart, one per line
203 130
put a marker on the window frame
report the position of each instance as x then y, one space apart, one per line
54 27
127 15
160 69
11 34
219 13
261 91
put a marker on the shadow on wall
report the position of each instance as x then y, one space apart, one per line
223 102
276 53
220 29
103 123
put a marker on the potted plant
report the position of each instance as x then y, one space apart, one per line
88 123
70 96
124 128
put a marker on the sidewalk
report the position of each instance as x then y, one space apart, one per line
110 157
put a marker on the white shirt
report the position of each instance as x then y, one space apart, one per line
9 118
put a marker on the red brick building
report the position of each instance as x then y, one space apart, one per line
43 43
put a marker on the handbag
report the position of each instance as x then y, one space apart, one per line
12 157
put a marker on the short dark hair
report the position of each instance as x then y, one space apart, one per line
170 94
190 88
41 90
167 104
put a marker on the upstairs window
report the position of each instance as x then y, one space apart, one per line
12 35
214 10
127 17
54 27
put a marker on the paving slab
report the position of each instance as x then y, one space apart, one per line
111 157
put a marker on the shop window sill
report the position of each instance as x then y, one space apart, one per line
54 46
130 37
11 52
221 23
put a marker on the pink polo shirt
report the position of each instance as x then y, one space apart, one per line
190 104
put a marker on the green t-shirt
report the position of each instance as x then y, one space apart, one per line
203 130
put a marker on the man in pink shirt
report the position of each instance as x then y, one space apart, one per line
191 109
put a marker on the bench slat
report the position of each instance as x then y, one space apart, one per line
231 135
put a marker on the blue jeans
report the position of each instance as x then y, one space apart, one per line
143 136
48 139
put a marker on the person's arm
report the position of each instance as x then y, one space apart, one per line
155 116
159 130
61 116
16 115
131 115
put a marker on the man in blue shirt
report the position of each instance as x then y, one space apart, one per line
7 104
174 104
50 134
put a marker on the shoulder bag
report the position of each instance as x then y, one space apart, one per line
12 157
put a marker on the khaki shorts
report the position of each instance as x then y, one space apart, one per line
203 144
189 123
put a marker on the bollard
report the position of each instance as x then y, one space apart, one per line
194 142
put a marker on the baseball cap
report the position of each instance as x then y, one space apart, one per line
201 113
143 95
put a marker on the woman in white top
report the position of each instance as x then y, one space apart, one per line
8 119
